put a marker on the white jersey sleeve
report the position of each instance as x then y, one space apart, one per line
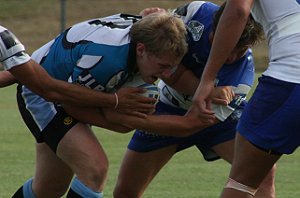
173 98
222 112
12 52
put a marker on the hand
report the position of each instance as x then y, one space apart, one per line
196 123
130 102
222 95
202 101
148 11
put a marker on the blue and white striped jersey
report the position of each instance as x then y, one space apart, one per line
12 51
94 53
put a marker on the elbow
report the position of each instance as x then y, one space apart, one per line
239 11
124 130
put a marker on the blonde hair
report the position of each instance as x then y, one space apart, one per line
161 33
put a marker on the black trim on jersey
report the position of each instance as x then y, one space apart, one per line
8 39
69 45
18 54
108 24
131 62
134 18
182 10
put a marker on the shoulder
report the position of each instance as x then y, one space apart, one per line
189 10
12 51
112 30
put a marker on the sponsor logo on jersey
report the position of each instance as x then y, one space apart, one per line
68 120
86 79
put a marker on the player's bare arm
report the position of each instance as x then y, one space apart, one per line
6 79
123 123
95 117
221 95
167 125
59 91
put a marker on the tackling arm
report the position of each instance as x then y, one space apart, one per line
6 79
168 125
38 80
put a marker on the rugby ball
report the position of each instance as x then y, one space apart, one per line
137 81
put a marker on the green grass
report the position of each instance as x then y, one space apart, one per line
187 175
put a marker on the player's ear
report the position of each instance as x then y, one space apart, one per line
140 49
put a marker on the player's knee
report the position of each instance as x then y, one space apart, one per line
96 175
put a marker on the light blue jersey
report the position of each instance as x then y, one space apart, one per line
86 53
95 54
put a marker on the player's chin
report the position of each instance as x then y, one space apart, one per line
151 79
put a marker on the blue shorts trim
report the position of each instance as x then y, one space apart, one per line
271 120
204 140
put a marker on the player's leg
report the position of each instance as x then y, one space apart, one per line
138 169
270 123
83 153
52 176
250 166
73 142
267 187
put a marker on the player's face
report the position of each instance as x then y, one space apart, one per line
152 67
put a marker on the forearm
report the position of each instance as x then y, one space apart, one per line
234 18
167 125
39 81
6 79
95 117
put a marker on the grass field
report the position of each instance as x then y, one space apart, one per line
186 176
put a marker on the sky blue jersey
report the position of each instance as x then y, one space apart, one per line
96 53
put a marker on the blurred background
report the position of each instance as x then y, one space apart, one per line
36 22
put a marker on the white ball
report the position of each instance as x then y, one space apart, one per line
137 81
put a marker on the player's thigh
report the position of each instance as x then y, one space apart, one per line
52 175
141 168
250 164
81 150
225 150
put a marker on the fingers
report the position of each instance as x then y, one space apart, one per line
222 95
219 101
138 114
